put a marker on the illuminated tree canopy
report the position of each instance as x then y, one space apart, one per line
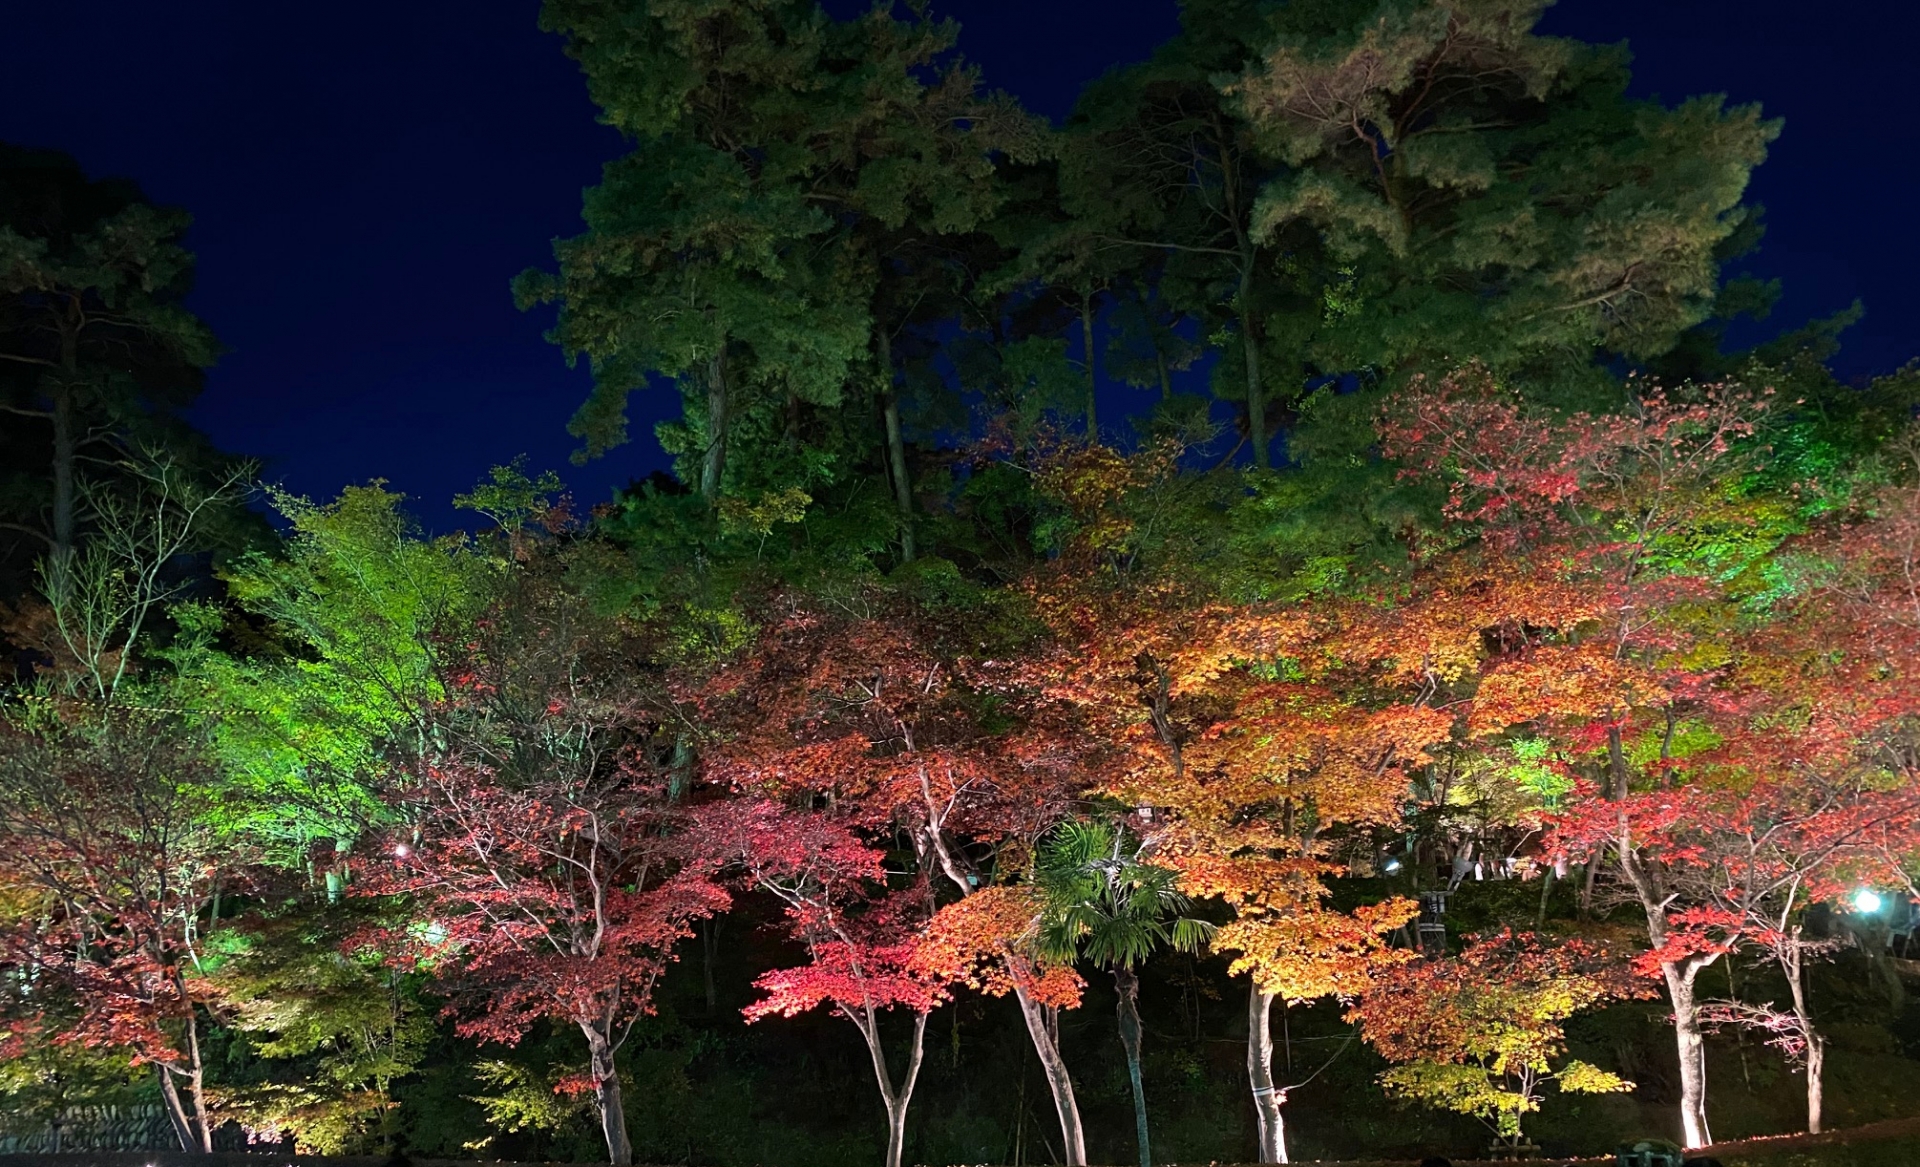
1460 689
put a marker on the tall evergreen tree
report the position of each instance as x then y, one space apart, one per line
1493 194
98 354
701 262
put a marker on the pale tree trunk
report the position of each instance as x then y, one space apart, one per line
1031 1011
896 449
606 1093
1816 1068
197 1087
715 465
1689 1042
1692 1049
189 1114
1127 988
1266 1099
1793 963
1086 332
176 1111
1058 1081
896 1099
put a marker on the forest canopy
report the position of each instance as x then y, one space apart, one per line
1288 554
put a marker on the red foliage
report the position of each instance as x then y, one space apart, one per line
106 846
557 898
863 942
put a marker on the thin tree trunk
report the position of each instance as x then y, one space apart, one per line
1086 333
1692 1049
1793 963
197 1084
1166 383
895 1099
176 1112
1058 1081
65 445
1045 1043
896 449
1256 395
715 466
1266 1100
1127 988
1689 1043
606 1094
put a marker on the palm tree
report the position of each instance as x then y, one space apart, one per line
1102 903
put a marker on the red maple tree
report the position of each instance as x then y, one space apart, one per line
106 847
558 899
543 848
1651 680
863 942
878 710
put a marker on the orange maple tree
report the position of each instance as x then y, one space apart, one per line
1255 742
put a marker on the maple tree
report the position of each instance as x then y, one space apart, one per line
1480 1033
546 862
561 900
1735 770
1811 788
104 839
862 941
862 707
1248 747
1762 855
1629 525
355 1024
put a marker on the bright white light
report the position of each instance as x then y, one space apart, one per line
1391 866
401 851
1866 900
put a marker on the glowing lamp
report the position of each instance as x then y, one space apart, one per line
1391 866
1866 900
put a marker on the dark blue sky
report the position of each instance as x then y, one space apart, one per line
366 177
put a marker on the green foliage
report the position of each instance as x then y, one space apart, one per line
347 626
337 1029
519 1100
881 297
44 1081
511 499
1103 904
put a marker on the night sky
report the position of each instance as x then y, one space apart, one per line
366 178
